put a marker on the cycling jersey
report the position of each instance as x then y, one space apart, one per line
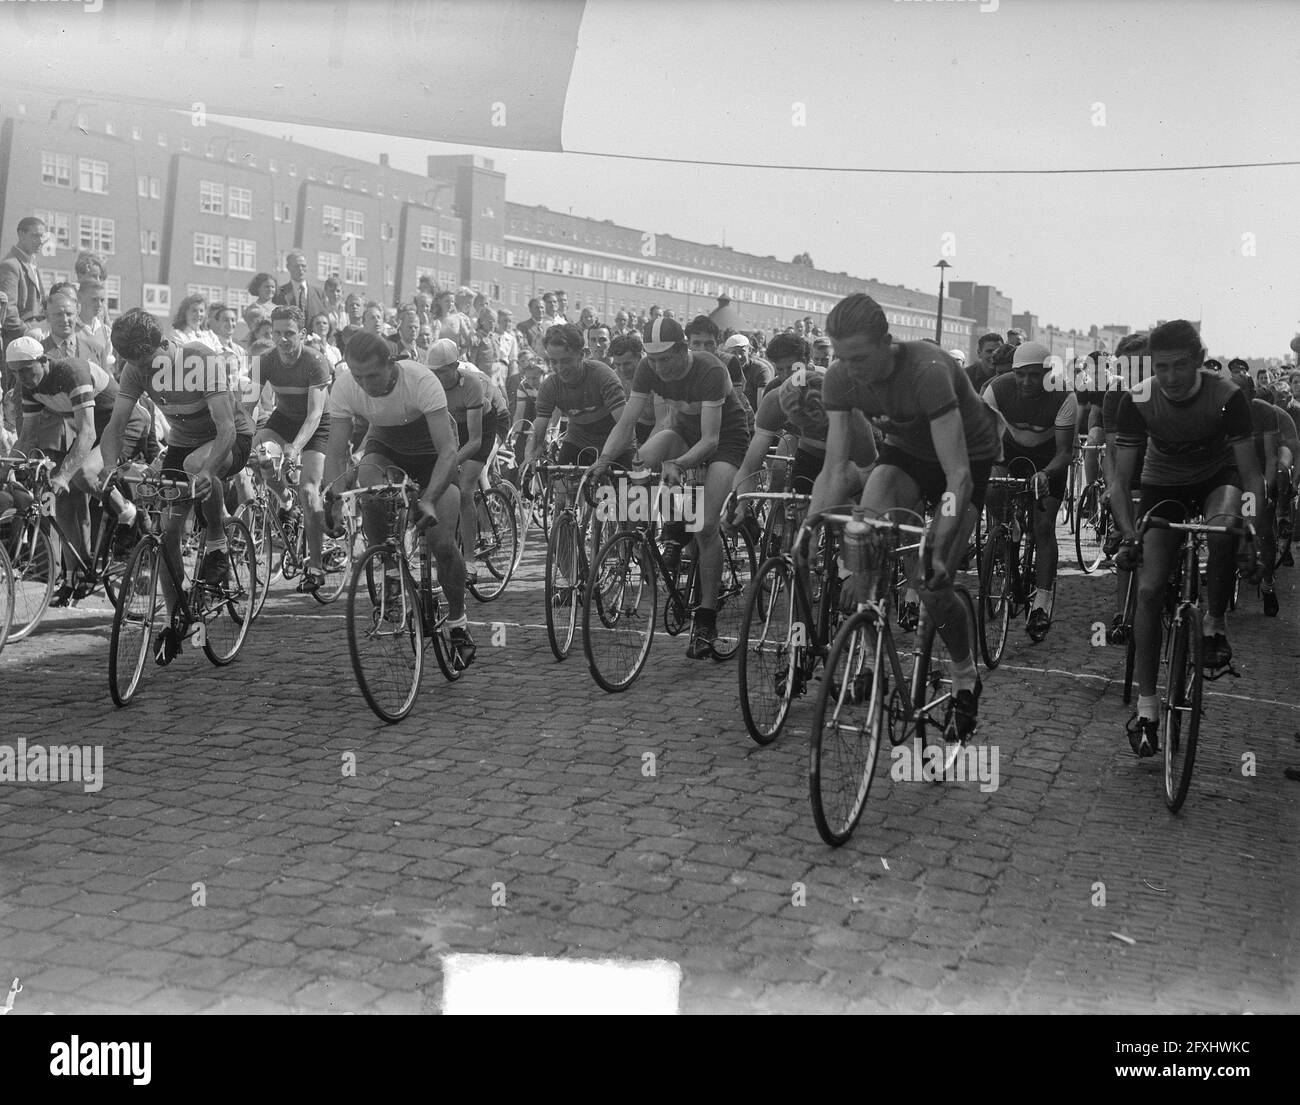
399 420
1109 412
180 380
706 384
797 408
1031 421
69 386
589 404
1286 432
293 383
926 383
1190 440
1263 421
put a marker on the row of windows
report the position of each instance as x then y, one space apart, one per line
481 251
440 277
215 293
56 170
93 232
218 199
213 251
432 239
112 286
353 270
339 222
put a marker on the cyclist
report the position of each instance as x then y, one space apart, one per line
707 427
81 395
1040 425
479 410
1130 352
703 335
209 437
1288 451
587 391
299 377
1265 428
625 353
940 445
1200 457
406 409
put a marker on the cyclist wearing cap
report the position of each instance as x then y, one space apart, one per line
707 427
1039 428
940 445
702 335
405 408
299 377
1200 457
477 407
80 396
587 391
209 436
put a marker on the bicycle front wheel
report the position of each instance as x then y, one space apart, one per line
771 652
31 557
498 534
1090 530
847 721
385 633
134 618
337 556
6 597
618 612
255 515
1182 705
562 583
227 611
932 692
995 596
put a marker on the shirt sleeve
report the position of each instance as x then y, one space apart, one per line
318 375
546 398
1109 411
474 397
1068 415
714 383
1130 428
131 382
611 389
429 394
770 418
1236 418
342 397
644 381
935 394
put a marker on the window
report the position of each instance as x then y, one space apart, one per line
347 180
230 153
155 188
212 197
213 293
327 265
136 133
355 271
446 243
426 270
208 250
386 232
82 122
388 269
59 224
238 298
56 168
95 233
149 243
186 145
331 220
476 250
110 128
142 186
50 277
428 238
329 178
241 203
162 139
293 169
354 223
241 254
281 212
113 294
272 165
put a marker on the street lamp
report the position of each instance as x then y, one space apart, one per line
943 268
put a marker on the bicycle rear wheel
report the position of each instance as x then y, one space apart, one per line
255 515
770 666
995 596
1090 530
133 621
6 597
618 611
337 556
228 611
932 676
845 737
738 567
385 633
562 583
499 532
1182 705
35 568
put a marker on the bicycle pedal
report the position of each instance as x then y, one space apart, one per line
1212 674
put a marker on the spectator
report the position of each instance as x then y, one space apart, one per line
562 305
1002 358
821 353
551 303
800 331
296 292
408 325
486 346
334 304
90 266
451 322
222 318
424 307
586 320
598 339
533 328
254 315
1016 336
671 314
508 351
20 281
91 298
622 325
262 289
372 319
322 337
655 312
784 352
982 370
190 323
353 307
65 339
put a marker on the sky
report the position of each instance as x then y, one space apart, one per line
943 84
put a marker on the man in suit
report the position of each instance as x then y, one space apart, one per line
66 340
21 282
408 327
297 292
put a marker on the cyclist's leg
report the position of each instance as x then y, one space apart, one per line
1158 549
447 553
468 481
267 467
717 484
372 471
1222 503
1046 553
313 507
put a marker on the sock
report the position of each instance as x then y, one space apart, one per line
706 615
1041 597
458 623
964 674
217 546
126 512
1149 706
1214 626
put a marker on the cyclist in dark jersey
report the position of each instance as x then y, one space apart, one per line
940 444
209 436
299 425
1266 429
703 336
1200 458
625 353
82 395
587 391
1127 372
707 426
1040 425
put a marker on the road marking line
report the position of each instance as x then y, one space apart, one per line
492 984
1110 679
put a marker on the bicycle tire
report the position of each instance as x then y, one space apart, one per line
257 518
770 666
1184 679
338 555
932 673
1089 531
995 597
32 561
387 635
842 749
228 615
496 516
6 597
619 610
738 567
563 581
128 650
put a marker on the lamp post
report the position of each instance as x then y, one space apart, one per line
943 268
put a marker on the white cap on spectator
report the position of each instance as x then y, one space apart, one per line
442 353
736 341
24 349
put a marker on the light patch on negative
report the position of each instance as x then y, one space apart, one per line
496 984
